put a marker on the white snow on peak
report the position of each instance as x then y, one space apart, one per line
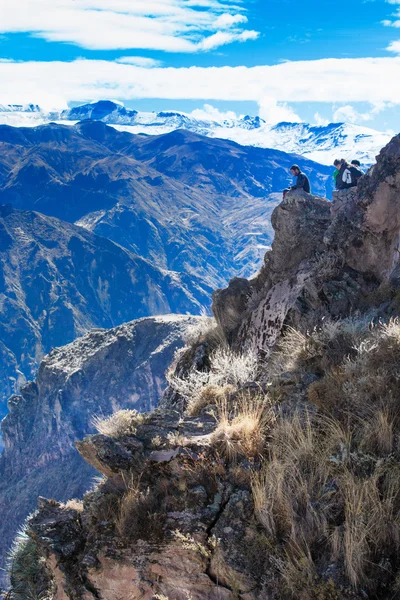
322 143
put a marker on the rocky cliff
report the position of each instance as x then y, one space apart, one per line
58 280
272 471
324 261
104 371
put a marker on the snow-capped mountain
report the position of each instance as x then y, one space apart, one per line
321 143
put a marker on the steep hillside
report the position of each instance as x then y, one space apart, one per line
106 370
183 201
272 469
322 143
58 280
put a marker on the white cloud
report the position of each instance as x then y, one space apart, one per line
349 114
210 113
140 61
228 20
170 25
394 47
273 112
319 120
221 38
340 81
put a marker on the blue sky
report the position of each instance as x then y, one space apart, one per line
59 51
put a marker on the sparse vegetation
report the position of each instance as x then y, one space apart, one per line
228 368
366 383
327 490
123 422
321 499
243 426
140 514
188 542
208 396
322 348
324 472
27 572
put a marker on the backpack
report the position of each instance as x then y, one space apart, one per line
347 177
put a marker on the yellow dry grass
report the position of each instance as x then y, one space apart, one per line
242 427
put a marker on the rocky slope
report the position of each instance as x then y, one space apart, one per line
104 371
183 201
281 482
324 259
58 280
322 143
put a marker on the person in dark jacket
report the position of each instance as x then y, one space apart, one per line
302 181
345 178
356 169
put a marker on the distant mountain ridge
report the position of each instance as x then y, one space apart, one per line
322 143
186 202
57 281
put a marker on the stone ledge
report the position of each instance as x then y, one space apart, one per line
343 201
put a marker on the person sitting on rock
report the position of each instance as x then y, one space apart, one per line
337 165
346 178
302 181
356 169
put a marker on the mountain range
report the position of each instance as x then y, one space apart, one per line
321 143
58 280
184 201
99 227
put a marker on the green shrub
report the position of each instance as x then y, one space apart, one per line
27 571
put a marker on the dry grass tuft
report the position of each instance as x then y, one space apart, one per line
227 368
123 422
209 395
140 514
364 388
292 497
323 499
378 436
242 428
324 347
74 504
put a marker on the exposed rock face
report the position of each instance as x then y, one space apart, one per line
207 561
324 260
58 280
103 371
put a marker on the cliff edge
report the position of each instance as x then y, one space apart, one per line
272 470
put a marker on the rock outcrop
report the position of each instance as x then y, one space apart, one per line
325 259
191 505
104 371
193 546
